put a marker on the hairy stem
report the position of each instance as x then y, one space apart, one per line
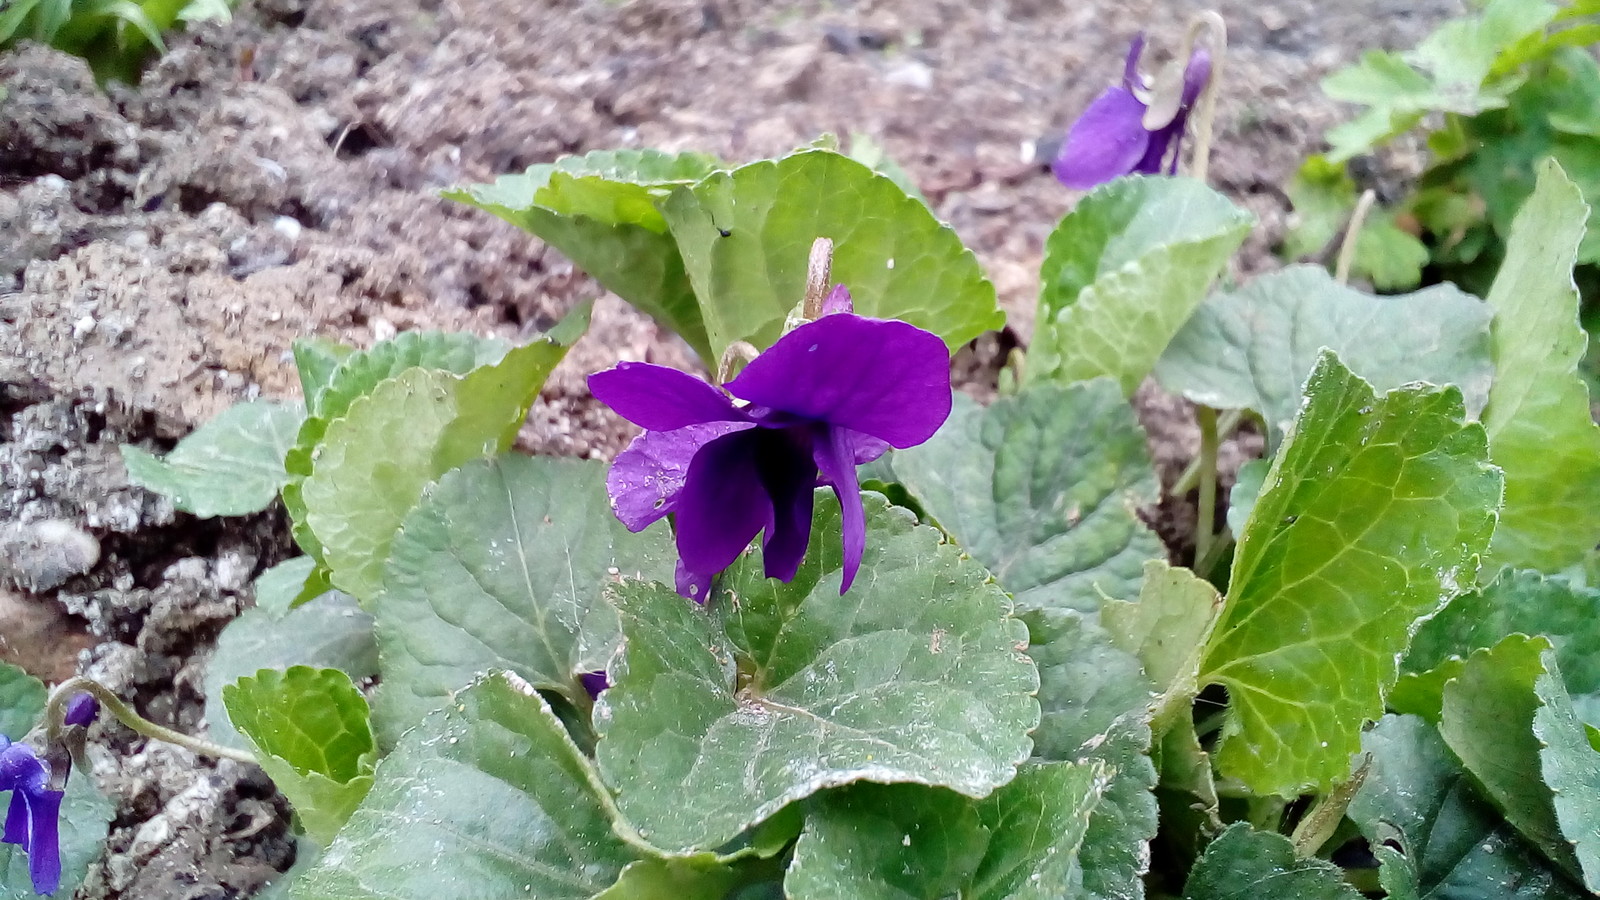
819 274
56 712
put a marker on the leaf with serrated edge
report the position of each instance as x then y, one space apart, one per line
310 730
1167 629
677 878
600 210
1042 488
1433 834
488 798
230 466
84 823
892 842
1246 864
498 568
1510 722
1253 348
746 238
1520 602
1095 702
333 632
781 690
315 360
22 699
1371 517
376 460
1540 430
1123 271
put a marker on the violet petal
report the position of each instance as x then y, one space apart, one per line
838 301
44 841
16 830
593 682
82 709
645 479
886 378
723 503
1106 142
659 398
694 585
1195 76
790 476
1130 66
834 458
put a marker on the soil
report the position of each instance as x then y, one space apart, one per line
277 177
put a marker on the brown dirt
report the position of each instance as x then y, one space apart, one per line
162 246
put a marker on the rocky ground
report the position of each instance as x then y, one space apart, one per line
275 177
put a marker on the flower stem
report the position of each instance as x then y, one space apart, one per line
1347 247
1205 111
56 711
819 275
739 353
1191 475
1206 515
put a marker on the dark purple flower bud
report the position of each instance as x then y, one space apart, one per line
82 709
31 819
594 682
828 396
1112 138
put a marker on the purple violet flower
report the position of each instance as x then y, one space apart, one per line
1111 139
31 818
828 396
594 682
81 710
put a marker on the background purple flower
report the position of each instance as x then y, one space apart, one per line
828 396
31 818
1110 138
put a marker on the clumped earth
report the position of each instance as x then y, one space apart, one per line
277 177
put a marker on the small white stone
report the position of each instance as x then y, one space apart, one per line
83 328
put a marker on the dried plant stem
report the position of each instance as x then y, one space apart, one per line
819 275
1347 246
56 711
1210 23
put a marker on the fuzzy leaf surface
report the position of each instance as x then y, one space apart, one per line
1540 430
1253 348
781 690
488 798
1372 516
499 567
376 459
22 698
311 730
1123 271
230 466
1042 488
746 237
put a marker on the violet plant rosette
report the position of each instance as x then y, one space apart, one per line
31 820
830 395
1112 137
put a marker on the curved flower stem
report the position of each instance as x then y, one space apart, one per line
1347 246
1209 22
738 353
819 275
1206 516
56 711
1190 478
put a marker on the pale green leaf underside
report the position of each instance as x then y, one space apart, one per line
746 236
375 461
915 675
497 568
1042 488
1253 348
230 466
1540 430
1123 271
488 798
1372 516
